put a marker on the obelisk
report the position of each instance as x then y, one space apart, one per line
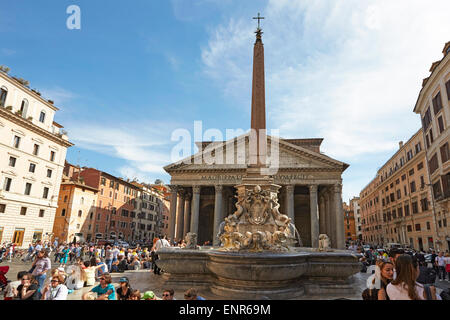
258 136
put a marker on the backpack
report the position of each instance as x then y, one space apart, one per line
445 294
426 276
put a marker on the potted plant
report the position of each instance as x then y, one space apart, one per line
9 108
19 112
30 118
4 69
51 101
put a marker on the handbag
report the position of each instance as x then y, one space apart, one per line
447 267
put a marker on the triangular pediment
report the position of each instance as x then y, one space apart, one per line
234 155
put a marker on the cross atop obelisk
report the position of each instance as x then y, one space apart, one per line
258 18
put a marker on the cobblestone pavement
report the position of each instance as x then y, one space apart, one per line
144 280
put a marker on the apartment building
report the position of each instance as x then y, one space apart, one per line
396 205
76 211
371 217
116 205
32 153
433 106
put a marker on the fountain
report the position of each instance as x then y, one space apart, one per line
257 258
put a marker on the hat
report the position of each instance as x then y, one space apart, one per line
124 279
148 295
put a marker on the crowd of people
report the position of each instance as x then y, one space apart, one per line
399 274
83 265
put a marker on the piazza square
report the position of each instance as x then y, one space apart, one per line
228 152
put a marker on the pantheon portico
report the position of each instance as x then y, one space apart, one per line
311 191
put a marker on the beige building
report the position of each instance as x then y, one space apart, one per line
371 217
148 213
396 205
76 211
433 106
32 154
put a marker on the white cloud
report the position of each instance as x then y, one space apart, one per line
145 147
347 71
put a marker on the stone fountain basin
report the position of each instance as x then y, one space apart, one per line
250 275
255 267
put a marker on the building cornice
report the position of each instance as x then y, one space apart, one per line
437 70
17 84
34 128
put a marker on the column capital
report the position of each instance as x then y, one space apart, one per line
218 187
196 189
173 188
337 187
313 188
290 188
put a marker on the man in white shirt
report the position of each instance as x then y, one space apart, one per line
440 263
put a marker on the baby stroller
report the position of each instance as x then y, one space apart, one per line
3 280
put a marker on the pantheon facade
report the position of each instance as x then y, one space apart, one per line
203 194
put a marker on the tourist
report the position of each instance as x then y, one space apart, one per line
102 268
124 290
56 290
440 264
76 278
89 273
28 289
405 286
115 252
105 290
30 253
168 294
40 267
135 295
134 264
376 283
109 256
191 294
9 290
150 295
64 255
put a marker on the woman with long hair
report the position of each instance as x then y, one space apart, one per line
404 286
41 265
377 283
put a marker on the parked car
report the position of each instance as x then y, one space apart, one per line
121 243
103 242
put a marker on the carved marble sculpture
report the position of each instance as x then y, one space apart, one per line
256 225
324 243
191 240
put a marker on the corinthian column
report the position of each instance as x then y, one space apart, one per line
322 213
217 213
173 211
290 202
195 208
314 216
339 216
180 216
187 213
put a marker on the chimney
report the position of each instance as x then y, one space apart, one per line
400 144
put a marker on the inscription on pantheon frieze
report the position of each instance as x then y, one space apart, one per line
281 177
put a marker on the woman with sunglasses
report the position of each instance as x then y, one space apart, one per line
105 290
56 290
28 289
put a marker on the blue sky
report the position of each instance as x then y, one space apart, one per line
348 71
